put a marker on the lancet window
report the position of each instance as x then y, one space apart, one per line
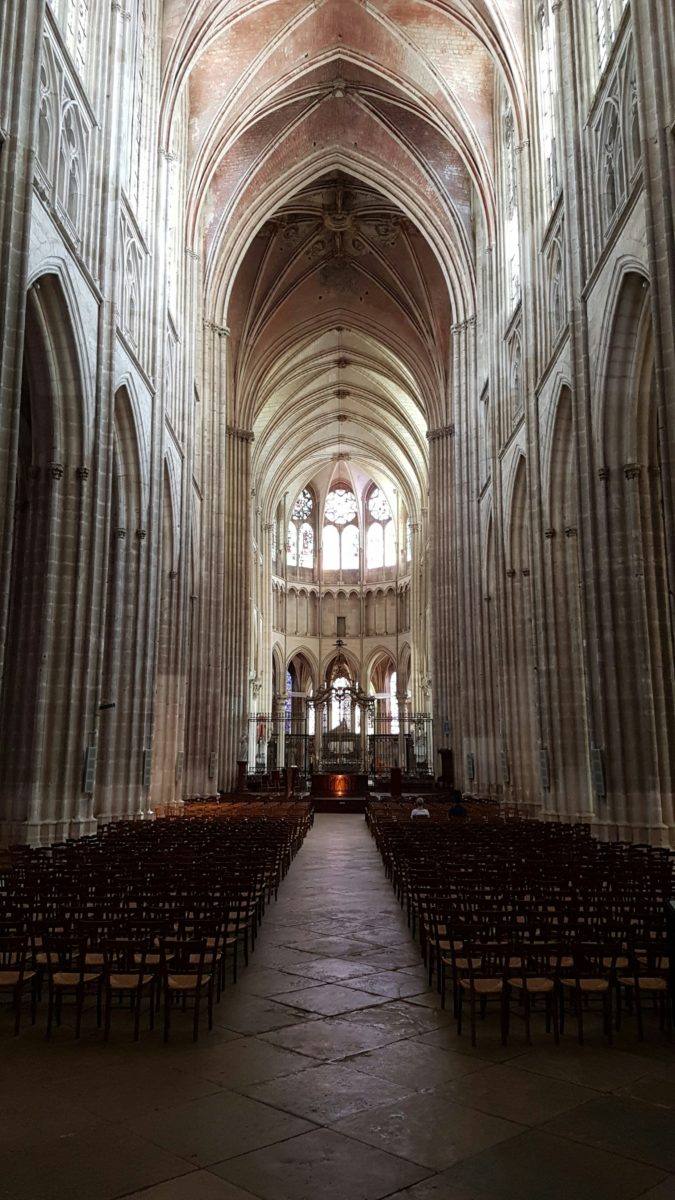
341 530
300 537
381 532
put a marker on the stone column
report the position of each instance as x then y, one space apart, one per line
267 606
443 586
236 587
654 40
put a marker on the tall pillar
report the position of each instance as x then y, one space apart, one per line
236 608
443 608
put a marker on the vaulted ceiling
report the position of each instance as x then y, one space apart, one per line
340 152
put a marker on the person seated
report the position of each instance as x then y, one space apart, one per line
457 808
420 809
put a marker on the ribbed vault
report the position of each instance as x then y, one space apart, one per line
338 154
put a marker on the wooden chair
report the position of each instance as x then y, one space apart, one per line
484 980
536 977
593 978
125 972
648 980
68 971
15 974
184 975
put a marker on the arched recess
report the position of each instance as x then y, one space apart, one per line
491 763
636 620
45 706
570 779
519 641
119 769
166 765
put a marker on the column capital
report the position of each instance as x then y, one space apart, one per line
443 431
221 330
242 435
460 326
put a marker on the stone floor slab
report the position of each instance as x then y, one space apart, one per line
218 1127
428 1129
622 1126
198 1185
505 1091
332 1038
320 1166
329 1092
537 1165
329 1000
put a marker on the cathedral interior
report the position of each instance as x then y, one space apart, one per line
411 260
337 448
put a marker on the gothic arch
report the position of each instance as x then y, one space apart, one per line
44 696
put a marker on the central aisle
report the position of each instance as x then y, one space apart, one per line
331 1074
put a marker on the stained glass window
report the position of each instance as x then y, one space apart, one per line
341 506
381 538
292 546
306 546
303 506
375 545
340 705
547 93
389 545
378 506
511 232
350 548
393 703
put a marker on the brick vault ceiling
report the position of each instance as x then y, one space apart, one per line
337 154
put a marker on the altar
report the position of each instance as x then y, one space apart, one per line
333 791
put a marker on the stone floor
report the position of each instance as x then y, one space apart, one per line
332 1074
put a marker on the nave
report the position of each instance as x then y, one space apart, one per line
331 1072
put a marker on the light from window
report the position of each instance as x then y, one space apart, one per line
378 506
375 546
303 506
607 17
350 548
548 90
306 546
340 705
393 703
292 546
341 506
331 548
511 232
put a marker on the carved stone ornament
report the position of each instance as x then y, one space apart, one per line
549 533
121 534
632 470
56 470
141 535
82 473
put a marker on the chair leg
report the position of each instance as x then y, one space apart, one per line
137 1015
472 1005
18 990
108 1006
195 1025
167 1014
50 1010
638 1015
79 1005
